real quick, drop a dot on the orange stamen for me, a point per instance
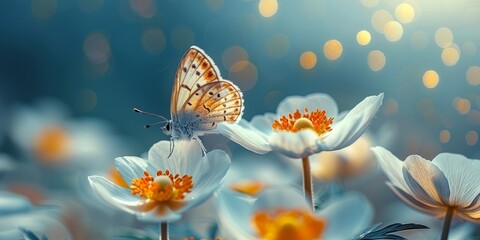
(288, 224)
(164, 187)
(317, 121)
(251, 188)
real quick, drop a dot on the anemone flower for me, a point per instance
(46, 133)
(304, 126)
(443, 187)
(283, 213)
(18, 214)
(162, 188)
(250, 173)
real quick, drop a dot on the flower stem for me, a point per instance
(307, 182)
(446, 223)
(164, 231)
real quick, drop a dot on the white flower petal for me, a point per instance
(413, 202)
(114, 194)
(296, 145)
(264, 122)
(152, 216)
(426, 181)
(235, 215)
(207, 176)
(346, 216)
(132, 167)
(392, 167)
(352, 126)
(312, 102)
(184, 159)
(463, 176)
(274, 198)
(12, 203)
(245, 135)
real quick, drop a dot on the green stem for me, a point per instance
(307, 182)
(164, 231)
(446, 223)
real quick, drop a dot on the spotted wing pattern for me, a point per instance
(195, 70)
(199, 89)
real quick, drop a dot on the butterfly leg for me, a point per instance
(172, 146)
(204, 150)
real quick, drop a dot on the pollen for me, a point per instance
(251, 188)
(297, 121)
(164, 187)
(288, 224)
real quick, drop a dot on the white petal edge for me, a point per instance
(264, 122)
(117, 196)
(353, 125)
(183, 160)
(235, 215)
(392, 167)
(131, 168)
(245, 135)
(463, 175)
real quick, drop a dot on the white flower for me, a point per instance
(279, 209)
(162, 188)
(304, 126)
(17, 212)
(449, 181)
(45, 132)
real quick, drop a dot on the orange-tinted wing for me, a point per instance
(195, 70)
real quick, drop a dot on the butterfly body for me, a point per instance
(201, 99)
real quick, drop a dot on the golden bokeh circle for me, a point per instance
(332, 49)
(363, 37)
(308, 60)
(405, 13)
(430, 79)
(473, 75)
(376, 60)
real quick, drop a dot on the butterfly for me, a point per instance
(201, 99)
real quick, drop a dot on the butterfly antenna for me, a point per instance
(151, 114)
(154, 124)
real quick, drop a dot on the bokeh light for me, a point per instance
(232, 55)
(404, 13)
(153, 41)
(363, 37)
(244, 74)
(393, 31)
(97, 48)
(443, 37)
(370, 3)
(43, 9)
(379, 19)
(376, 60)
(308, 60)
(430, 79)
(473, 75)
(444, 136)
(267, 8)
(332, 49)
(144, 8)
(450, 56)
(390, 107)
(471, 138)
(462, 105)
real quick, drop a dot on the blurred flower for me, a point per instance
(345, 163)
(18, 213)
(6, 164)
(162, 188)
(283, 213)
(250, 173)
(45, 133)
(446, 185)
(304, 126)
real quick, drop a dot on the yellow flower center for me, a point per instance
(164, 187)
(251, 188)
(52, 144)
(294, 122)
(288, 224)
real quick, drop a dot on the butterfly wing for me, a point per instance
(195, 70)
(199, 89)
